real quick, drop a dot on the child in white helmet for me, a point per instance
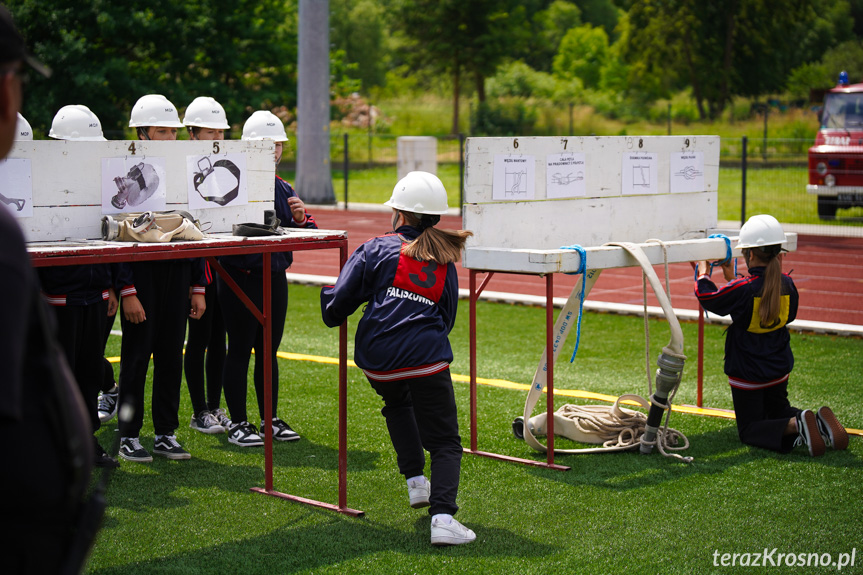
(758, 357)
(155, 302)
(82, 296)
(244, 331)
(408, 282)
(23, 131)
(206, 120)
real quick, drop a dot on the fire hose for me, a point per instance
(615, 428)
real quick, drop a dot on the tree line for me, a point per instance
(613, 54)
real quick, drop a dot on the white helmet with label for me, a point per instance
(206, 112)
(760, 231)
(264, 125)
(23, 131)
(420, 193)
(154, 110)
(78, 123)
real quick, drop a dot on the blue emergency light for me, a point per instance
(843, 78)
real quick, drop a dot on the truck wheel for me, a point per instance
(827, 207)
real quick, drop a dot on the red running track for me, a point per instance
(828, 271)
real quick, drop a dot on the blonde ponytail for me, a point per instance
(771, 289)
(433, 244)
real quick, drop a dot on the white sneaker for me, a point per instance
(205, 422)
(108, 402)
(450, 534)
(281, 431)
(419, 493)
(244, 434)
(222, 418)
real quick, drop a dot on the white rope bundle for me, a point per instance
(615, 428)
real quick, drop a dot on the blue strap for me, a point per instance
(727, 249)
(582, 266)
(720, 262)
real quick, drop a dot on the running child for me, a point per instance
(408, 282)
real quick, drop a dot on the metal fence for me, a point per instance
(756, 175)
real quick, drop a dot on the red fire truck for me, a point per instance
(836, 159)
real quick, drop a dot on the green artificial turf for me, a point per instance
(611, 513)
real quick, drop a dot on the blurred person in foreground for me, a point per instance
(48, 445)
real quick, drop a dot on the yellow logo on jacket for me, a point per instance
(755, 322)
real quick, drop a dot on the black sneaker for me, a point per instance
(131, 450)
(282, 431)
(222, 418)
(167, 446)
(108, 401)
(102, 457)
(809, 435)
(205, 422)
(831, 430)
(244, 434)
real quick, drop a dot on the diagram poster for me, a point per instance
(564, 175)
(687, 172)
(133, 185)
(514, 178)
(216, 181)
(639, 173)
(17, 194)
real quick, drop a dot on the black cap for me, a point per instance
(12, 45)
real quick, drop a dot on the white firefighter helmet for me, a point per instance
(76, 122)
(420, 193)
(154, 110)
(264, 125)
(206, 112)
(760, 231)
(23, 131)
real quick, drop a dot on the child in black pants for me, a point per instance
(758, 357)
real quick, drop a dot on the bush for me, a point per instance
(615, 105)
(797, 130)
(504, 117)
(808, 77)
(739, 109)
(520, 80)
(684, 110)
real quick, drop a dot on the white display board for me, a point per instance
(541, 193)
(69, 186)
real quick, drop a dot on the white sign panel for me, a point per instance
(640, 173)
(16, 190)
(216, 181)
(133, 185)
(564, 174)
(514, 177)
(687, 172)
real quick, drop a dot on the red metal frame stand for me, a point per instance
(60, 254)
(549, 343)
(700, 395)
(341, 507)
